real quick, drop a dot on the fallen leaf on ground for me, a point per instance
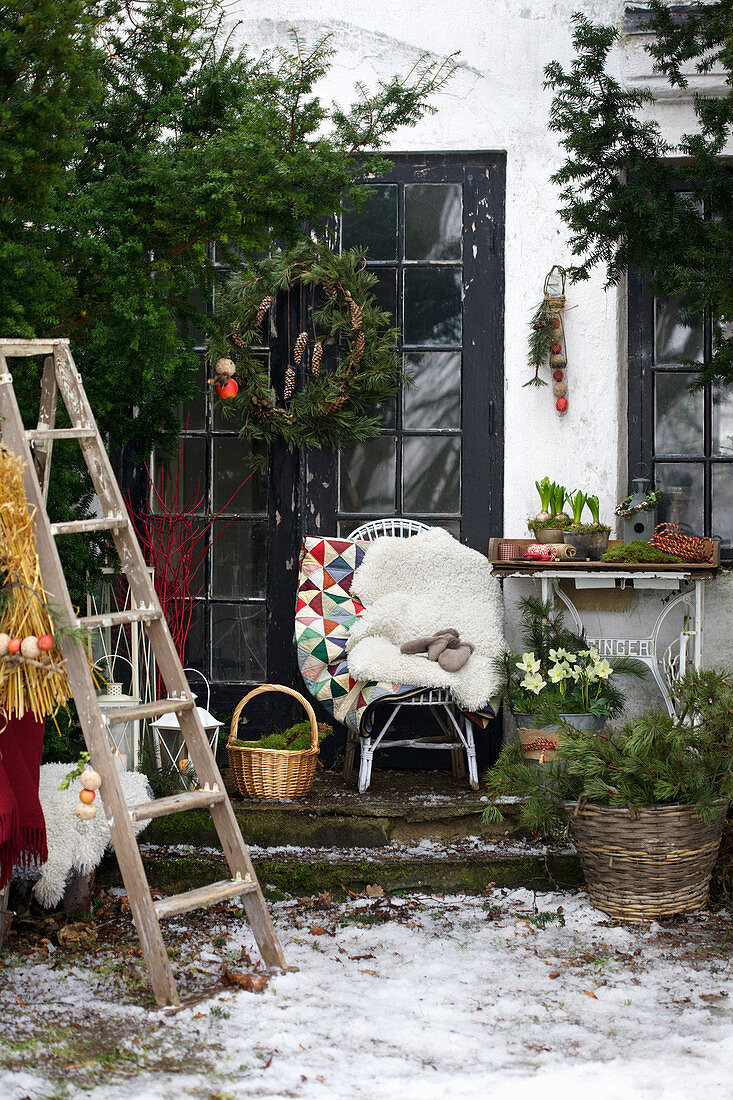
(319, 930)
(554, 973)
(374, 891)
(588, 993)
(253, 983)
(372, 972)
(357, 958)
(76, 934)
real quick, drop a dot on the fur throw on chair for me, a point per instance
(418, 586)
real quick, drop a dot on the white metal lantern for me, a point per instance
(171, 745)
(124, 736)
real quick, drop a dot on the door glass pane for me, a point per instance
(195, 648)
(367, 476)
(225, 417)
(433, 221)
(682, 487)
(676, 336)
(722, 401)
(678, 415)
(385, 291)
(192, 413)
(238, 639)
(432, 306)
(180, 480)
(434, 398)
(374, 227)
(431, 474)
(723, 502)
(239, 486)
(239, 558)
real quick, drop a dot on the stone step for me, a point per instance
(399, 807)
(429, 867)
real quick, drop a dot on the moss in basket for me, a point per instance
(654, 760)
(639, 551)
(560, 520)
(294, 739)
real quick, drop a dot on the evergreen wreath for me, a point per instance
(347, 362)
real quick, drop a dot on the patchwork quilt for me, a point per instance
(324, 613)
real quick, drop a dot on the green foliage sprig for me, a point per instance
(654, 760)
(338, 404)
(620, 182)
(75, 772)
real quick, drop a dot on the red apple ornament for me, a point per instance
(45, 642)
(228, 389)
(561, 404)
(14, 645)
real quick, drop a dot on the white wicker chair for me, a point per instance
(457, 729)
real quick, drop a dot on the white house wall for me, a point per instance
(496, 101)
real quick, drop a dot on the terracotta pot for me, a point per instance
(539, 740)
(589, 544)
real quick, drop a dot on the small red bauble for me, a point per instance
(229, 389)
(556, 322)
(561, 404)
(45, 642)
(555, 349)
(14, 645)
(557, 375)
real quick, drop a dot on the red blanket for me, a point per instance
(22, 827)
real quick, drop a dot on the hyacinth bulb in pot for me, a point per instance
(589, 539)
(550, 522)
(558, 679)
(645, 805)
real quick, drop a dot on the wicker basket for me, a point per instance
(649, 863)
(273, 773)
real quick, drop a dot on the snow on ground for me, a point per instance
(512, 996)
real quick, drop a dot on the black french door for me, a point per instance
(434, 232)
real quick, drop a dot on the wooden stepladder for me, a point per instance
(60, 377)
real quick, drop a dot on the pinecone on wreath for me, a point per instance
(289, 387)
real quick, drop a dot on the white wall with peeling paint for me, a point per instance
(497, 101)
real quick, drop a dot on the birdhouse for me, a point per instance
(641, 524)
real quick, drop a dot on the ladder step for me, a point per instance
(30, 347)
(82, 526)
(120, 618)
(175, 803)
(41, 435)
(205, 895)
(146, 710)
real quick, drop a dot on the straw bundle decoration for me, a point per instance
(273, 773)
(38, 682)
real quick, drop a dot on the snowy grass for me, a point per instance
(512, 996)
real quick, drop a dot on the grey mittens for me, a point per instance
(445, 647)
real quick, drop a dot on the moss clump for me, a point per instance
(588, 528)
(560, 520)
(295, 739)
(639, 551)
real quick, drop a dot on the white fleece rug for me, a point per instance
(416, 586)
(75, 845)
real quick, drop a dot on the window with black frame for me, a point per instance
(682, 435)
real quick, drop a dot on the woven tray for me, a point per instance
(273, 773)
(649, 863)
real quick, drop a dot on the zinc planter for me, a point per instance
(539, 740)
(589, 544)
(548, 534)
(648, 863)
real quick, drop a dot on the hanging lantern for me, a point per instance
(124, 736)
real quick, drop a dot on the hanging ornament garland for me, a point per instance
(547, 338)
(339, 370)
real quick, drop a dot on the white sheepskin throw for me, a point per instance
(75, 845)
(412, 587)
